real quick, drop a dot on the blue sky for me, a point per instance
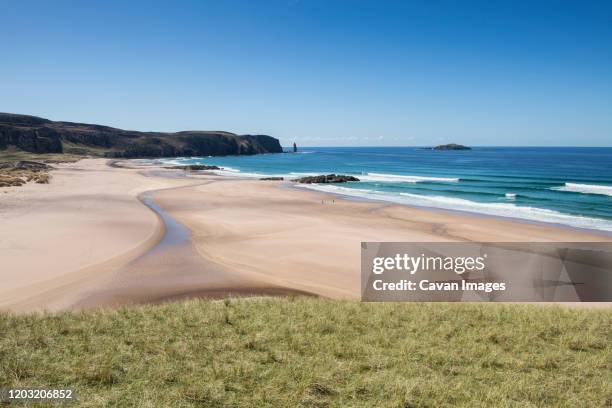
(322, 73)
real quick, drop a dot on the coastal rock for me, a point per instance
(38, 135)
(194, 167)
(329, 178)
(452, 146)
(272, 178)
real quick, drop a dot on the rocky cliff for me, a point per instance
(38, 135)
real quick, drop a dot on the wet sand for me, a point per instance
(172, 269)
(57, 240)
(310, 241)
(87, 240)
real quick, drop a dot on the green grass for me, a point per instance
(305, 352)
(11, 154)
(80, 149)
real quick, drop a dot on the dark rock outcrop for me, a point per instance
(272, 178)
(195, 167)
(329, 178)
(452, 146)
(38, 135)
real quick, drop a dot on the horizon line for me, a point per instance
(430, 146)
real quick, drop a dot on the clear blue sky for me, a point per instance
(322, 73)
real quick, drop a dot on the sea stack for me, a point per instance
(294, 148)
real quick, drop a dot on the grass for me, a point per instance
(10, 177)
(304, 352)
(11, 154)
(16, 178)
(73, 149)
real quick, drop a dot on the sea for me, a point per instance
(570, 186)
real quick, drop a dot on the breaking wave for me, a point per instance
(397, 178)
(509, 210)
(585, 189)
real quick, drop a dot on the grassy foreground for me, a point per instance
(305, 352)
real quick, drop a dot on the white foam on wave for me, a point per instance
(298, 174)
(510, 210)
(165, 162)
(225, 170)
(459, 204)
(330, 188)
(398, 178)
(585, 189)
(233, 170)
(230, 172)
(510, 196)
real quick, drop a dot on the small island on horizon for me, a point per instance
(449, 146)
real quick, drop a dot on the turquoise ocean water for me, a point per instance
(563, 185)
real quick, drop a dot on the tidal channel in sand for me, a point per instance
(173, 269)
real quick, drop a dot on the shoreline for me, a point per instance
(538, 194)
(569, 228)
(302, 187)
(248, 237)
(215, 244)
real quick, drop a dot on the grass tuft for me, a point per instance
(306, 352)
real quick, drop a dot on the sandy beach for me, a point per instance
(87, 240)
